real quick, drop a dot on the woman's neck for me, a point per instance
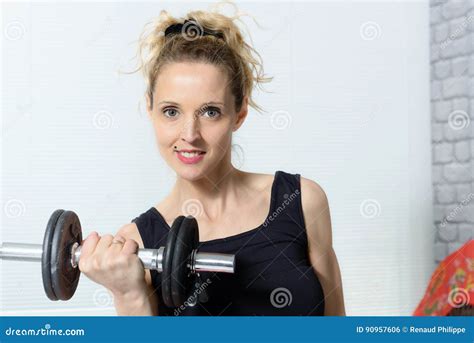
(211, 195)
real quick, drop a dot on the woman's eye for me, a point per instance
(212, 112)
(168, 110)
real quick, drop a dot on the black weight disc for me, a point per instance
(167, 260)
(182, 281)
(64, 277)
(46, 254)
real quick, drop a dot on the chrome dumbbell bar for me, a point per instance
(151, 258)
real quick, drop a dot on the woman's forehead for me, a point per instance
(191, 75)
(192, 82)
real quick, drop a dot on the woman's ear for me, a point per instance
(149, 105)
(242, 114)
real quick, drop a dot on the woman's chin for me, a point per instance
(190, 173)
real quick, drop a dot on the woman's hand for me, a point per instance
(113, 262)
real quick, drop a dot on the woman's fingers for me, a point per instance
(127, 246)
(104, 243)
(87, 248)
(104, 250)
(116, 245)
(130, 247)
(119, 238)
(89, 244)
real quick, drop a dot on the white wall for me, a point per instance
(352, 82)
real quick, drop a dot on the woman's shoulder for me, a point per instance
(312, 188)
(313, 196)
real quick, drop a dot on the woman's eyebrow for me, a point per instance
(206, 103)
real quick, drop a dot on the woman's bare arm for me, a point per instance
(321, 253)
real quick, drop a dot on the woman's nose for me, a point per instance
(190, 129)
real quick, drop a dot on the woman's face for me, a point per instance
(193, 109)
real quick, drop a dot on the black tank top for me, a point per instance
(273, 274)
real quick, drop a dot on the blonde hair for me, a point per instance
(232, 54)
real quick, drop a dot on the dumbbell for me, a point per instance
(179, 260)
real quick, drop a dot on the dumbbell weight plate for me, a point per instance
(182, 281)
(46, 255)
(168, 253)
(64, 277)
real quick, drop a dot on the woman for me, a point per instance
(200, 73)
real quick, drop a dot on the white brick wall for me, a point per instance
(452, 105)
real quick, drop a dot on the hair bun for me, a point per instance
(189, 27)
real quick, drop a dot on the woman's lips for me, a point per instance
(190, 158)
